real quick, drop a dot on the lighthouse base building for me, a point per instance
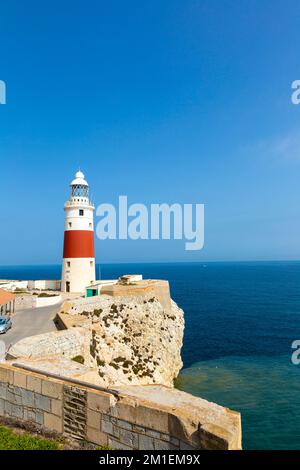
(78, 269)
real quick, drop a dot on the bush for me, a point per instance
(79, 359)
(45, 294)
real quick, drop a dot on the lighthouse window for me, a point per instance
(79, 190)
(81, 212)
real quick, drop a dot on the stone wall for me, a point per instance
(66, 343)
(24, 302)
(143, 418)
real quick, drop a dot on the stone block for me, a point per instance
(106, 426)
(17, 411)
(7, 408)
(116, 445)
(146, 443)
(152, 418)
(34, 384)
(99, 401)
(151, 433)
(129, 438)
(1, 407)
(164, 445)
(42, 403)
(56, 407)
(39, 417)
(3, 390)
(27, 397)
(34, 416)
(6, 375)
(53, 422)
(52, 389)
(139, 429)
(13, 398)
(124, 424)
(116, 431)
(96, 436)
(20, 379)
(126, 411)
(93, 419)
(174, 441)
(184, 446)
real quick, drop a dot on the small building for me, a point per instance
(98, 286)
(7, 302)
(95, 288)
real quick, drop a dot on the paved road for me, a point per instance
(30, 322)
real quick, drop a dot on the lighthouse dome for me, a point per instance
(79, 179)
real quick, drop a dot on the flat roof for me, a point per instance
(6, 296)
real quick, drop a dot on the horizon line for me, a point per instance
(164, 262)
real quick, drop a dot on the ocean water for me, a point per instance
(241, 319)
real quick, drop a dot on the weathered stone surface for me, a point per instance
(136, 417)
(67, 343)
(96, 436)
(131, 336)
(34, 383)
(194, 421)
(134, 339)
(53, 422)
(100, 401)
(20, 379)
(52, 389)
(60, 366)
(42, 402)
(56, 407)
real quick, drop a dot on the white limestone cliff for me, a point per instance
(135, 340)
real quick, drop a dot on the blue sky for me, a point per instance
(163, 101)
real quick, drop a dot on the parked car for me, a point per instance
(5, 324)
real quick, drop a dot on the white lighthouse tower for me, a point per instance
(78, 269)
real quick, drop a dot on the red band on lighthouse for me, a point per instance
(79, 244)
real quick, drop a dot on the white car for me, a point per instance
(5, 324)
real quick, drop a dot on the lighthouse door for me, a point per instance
(68, 286)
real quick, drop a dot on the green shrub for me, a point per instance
(79, 359)
(45, 294)
(9, 440)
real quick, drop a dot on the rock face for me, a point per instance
(134, 339)
(131, 335)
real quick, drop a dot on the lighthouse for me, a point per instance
(78, 269)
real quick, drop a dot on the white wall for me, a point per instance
(44, 284)
(12, 285)
(45, 301)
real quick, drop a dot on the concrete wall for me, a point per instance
(45, 301)
(115, 418)
(44, 284)
(39, 284)
(12, 285)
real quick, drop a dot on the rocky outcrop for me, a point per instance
(136, 333)
(134, 340)
(132, 335)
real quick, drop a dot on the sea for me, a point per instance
(240, 321)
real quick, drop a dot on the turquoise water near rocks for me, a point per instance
(241, 319)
